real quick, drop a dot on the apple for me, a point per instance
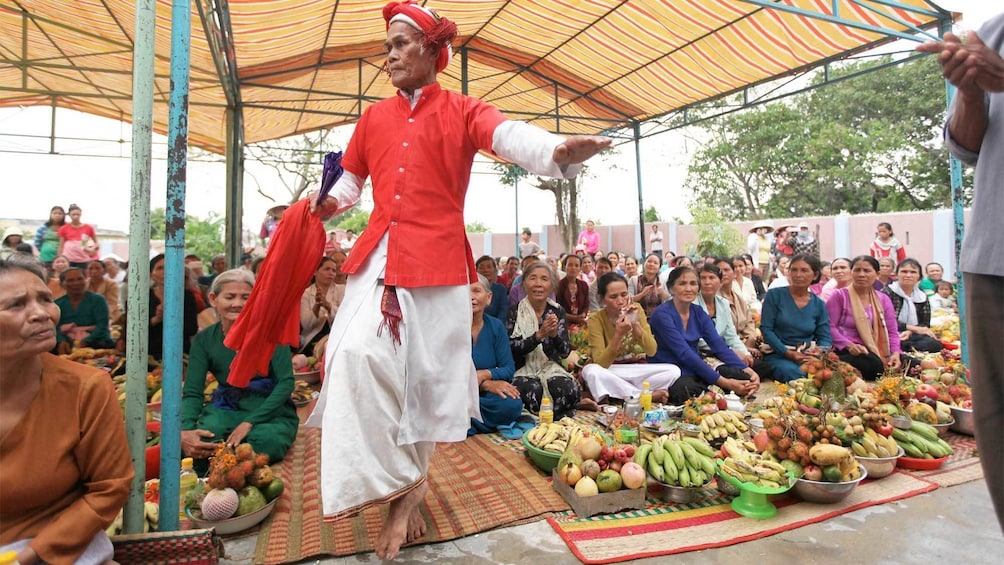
(967, 404)
(928, 375)
(606, 453)
(885, 428)
(620, 455)
(926, 391)
(615, 465)
(722, 403)
(812, 473)
(629, 450)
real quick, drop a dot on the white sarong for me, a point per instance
(382, 408)
(624, 381)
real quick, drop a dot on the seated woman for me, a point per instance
(500, 401)
(603, 266)
(98, 283)
(65, 466)
(498, 308)
(190, 312)
(59, 264)
(742, 314)
(261, 414)
(645, 288)
(83, 315)
(720, 311)
(863, 322)
(887, 266)
(754, 274)
(678, 326)
(913, 311)
(742, 285)
(824, 277)
(794, 323)
(619, 341)
(840, 277)
(538, 337)
(319, 303)
(573, 293)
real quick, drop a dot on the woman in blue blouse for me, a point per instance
(678, 326)
(794, 321)
(499, 399)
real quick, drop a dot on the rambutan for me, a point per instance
(244, 452)
(261, 460)
(236, 478)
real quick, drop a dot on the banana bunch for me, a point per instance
(722, 424)
(921, 441)
(754, 469)
(874, 445)
(687, 462)
(555, 436)
(740, 449)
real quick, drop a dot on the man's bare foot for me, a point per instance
(660, 396)
(397, 526)
(416, 524)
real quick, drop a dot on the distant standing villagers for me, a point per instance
(405, 378)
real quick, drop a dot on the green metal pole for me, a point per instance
(958, 213)
(138, 307)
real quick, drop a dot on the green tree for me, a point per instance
(867, 144)
(477, 227)
(714, 237)
(652, 215)
(356, 222)
(566, 198)
(202, 237)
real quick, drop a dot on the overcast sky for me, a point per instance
(35, 182)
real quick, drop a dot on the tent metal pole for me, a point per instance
(174, 264)
(138, 307)
(636, 128)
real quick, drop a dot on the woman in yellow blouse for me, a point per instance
(619, 341)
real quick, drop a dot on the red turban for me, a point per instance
(271, 316)
(439, 32)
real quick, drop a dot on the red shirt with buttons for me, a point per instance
(419, 161)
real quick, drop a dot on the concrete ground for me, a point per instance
(950, 525)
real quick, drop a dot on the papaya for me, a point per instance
(922, 413)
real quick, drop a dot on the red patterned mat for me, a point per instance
(475, 485)
(962, 466)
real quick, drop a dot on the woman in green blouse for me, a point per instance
(261, 414)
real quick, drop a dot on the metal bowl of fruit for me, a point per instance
(964, 423)
(821, 492)
(675, 493)
(943, 428)
(231, 525)
(879, 467)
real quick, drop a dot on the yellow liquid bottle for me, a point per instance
(646, 397)
(8, 558)
(546, 414)
(186, 482)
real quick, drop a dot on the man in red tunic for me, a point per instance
(398, 362)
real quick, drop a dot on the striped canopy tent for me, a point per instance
(284, 67)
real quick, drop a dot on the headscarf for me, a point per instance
(908, 313)
(438, 32)
(874, 334)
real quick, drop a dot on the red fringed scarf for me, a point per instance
(272, 315)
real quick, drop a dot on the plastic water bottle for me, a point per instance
(646, 397)
(186, 482)
(546, 414)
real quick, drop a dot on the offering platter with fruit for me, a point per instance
(240, 483)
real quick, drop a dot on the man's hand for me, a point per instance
(972, 67)
(192, 443)
(326, 209)
(578, 148)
